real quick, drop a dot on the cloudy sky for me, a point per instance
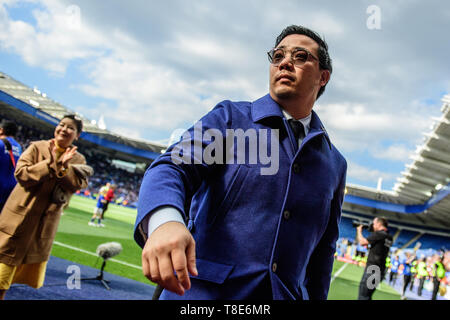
(151, 67)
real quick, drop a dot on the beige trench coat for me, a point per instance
(30, 217)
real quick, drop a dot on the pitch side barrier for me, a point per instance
(23, 106)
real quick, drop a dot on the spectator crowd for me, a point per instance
(127, 183)
(427, 269)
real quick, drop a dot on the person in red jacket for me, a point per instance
(108, 197)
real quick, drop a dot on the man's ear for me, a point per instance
(324, 77)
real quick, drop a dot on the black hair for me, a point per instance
(383, 221)
(324, 57)
(9, 128)
(76, 119)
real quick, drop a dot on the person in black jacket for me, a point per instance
(379, 243)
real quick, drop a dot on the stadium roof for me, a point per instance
(422, 194)
(51, 111)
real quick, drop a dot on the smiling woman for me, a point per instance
(48, 173)
(68, 130)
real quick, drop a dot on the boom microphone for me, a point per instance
(109, 250)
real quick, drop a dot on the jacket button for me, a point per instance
(296, 168)
(274, 267)
(286, 214)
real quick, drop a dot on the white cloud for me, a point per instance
(160, 66)
(324, 22)
(144, 93)
(125, 131)
(53, 42)
(356, 126)
(8, 2)
(140, 87)
(394, 152)
(362, 173)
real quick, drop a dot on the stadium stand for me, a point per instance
(403, 240)
(422, 194)
(432, 242)
(346, 230)
(419, 202)
(406, 236)
(418, 209)
(128, 183)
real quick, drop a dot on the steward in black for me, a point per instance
(378, 243)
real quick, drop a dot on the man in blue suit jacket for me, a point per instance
(218, 218)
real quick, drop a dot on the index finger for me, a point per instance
(73, 150)
(179, 263)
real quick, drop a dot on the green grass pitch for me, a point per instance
(74, 231)
(346, 285)
(76, 241)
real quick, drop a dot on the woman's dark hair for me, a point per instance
(76, 119)
(324, 57)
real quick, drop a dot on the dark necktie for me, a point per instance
(297, 128)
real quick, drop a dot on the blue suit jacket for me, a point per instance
(257, 236)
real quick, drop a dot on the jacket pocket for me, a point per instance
(212, 271)
(232, 192)
(12, 220)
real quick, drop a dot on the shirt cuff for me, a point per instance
(159, 217)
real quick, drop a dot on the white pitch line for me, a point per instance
(94, 254)
(337, 273)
